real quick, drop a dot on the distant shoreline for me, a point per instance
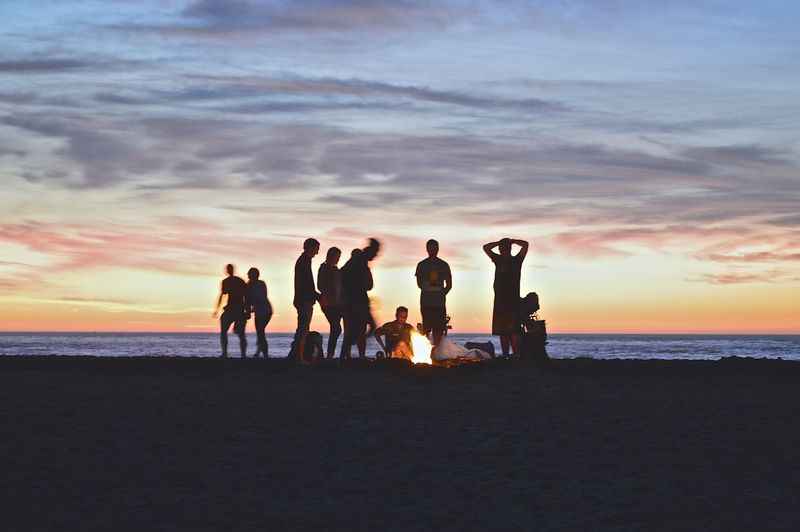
(285, 333)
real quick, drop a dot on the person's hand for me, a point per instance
(214, 314)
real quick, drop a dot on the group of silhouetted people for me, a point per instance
(342, 294)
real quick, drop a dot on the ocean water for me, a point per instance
(601, 346)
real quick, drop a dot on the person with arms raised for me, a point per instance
(506, 319)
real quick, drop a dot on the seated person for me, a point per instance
(398, 335)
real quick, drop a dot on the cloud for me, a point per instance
(749, 154)
(292, 94)
(756, 256)
(45, 65)
(765, 277)
(213, 18)
(180, 245)
(104, 157)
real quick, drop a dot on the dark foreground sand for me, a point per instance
(166, 444)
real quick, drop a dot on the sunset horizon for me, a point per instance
(655, 178)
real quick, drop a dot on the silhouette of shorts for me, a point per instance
(434, 319)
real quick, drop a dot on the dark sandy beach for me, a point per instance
(192, 444)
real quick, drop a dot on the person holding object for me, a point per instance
(235, 311)
(397, 335)
(258, 303)
(435, 282)
(506, 319)
(305, 295)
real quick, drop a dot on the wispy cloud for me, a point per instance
(211, 18)
(48, 65)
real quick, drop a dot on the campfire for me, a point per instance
(422, 349)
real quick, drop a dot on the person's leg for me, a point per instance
(224, 324)
(362, 321)
(515, 345)
(334, 317)
(437, 336)
(504, 342)
(261, 324)
(438, 323)
(362, 345)
(238, 328)
(347, 336)
(304, 313)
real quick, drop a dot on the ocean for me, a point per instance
(600, 346)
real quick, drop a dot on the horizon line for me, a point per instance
(579, 332)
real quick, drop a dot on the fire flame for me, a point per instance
(422, 349)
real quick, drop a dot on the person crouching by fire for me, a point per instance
(397, 335)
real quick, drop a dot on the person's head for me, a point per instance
(355, 253)
(433, 247)
(253, 274)
(401, 314)
(229, 269)
(333, 256)
(505, 246)
(311, 247)
(372, 249)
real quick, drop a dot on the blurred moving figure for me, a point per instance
(356, 282)
(235, 311)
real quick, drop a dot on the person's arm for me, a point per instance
(419, 278)
(219, 303)
(447, 282)
(370, 282)
(524, 248)
(324, 282)
(487, 248)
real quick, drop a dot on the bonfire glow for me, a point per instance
(422, 349)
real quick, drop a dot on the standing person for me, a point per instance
(435, 281)
(305, 295)
(258, 303)
(361, 343)
(329, 281)
(356, 282)
(235, 311)
(507, 270)
(397, 335)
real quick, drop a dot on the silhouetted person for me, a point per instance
(397, 335)
(235, 311)
(258, 303)
(356, 282)
(435, 281)
(506, 319)
(305, 295)
(329, 281)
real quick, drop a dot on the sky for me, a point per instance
(648, 150)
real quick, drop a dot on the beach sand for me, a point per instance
(193, 444)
